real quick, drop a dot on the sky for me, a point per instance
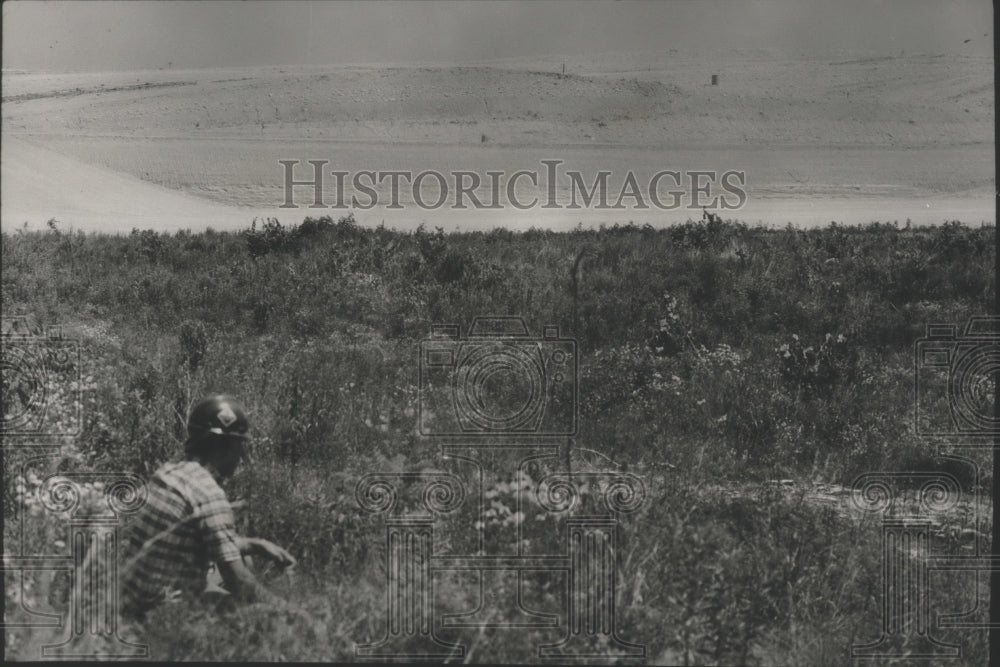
(98, 36)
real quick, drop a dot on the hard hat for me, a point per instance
(220, 415)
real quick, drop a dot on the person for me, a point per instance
(187, 523)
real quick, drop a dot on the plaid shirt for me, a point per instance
(185, 525)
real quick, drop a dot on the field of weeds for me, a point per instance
(720, 373)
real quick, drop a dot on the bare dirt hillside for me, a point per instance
(851, 140)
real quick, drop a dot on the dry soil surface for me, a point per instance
(851, 140)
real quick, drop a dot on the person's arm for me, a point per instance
(242, 584)
(261, 547)
(225, 547)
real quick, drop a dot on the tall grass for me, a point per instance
(712, 357)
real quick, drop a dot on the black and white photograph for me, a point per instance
(505, 332)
